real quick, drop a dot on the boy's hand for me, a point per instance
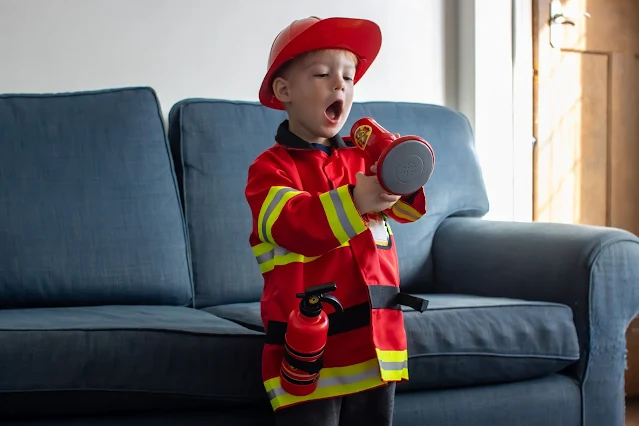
(369, 196)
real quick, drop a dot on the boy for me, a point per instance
(317, 218)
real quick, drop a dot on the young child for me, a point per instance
(317, 218)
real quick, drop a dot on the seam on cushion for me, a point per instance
(204, 308)
(501, 306)
(497, 355)
(187, 248)
(187, 219)
(456, 308)
(73, 94)
(120, 390)
(251, 326)
(363, 103)
(181, 189)
(250, 333)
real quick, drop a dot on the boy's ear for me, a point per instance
(281, 90)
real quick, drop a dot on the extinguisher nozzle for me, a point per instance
(312, 298)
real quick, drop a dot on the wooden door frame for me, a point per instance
(523, 107)
(534, 34)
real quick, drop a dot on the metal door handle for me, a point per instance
(560, 18)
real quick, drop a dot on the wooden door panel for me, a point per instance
(593, 162)
(572, 136)
(586, 106)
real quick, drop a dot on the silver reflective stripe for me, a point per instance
(341, 214)
(388, 365)
(281, 251)
(333, 381)
(400, 209)
(263, 258)
(270, 255)
(274, 202)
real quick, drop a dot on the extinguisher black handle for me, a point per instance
(312, 298)
(332, 300)
(318, 290)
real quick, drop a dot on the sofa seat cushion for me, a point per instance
(468, 340)
(106, 358)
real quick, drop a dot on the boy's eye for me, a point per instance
(347, 78)
(321, 75)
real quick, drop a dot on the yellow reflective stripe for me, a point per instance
(342, 215)
(351, 211)
(333, 381)
(406, 211)
(392, 356)
(393, 365)
(264, 254)
(388, 225)
(271, 209)
(269, 256)
(394, 375)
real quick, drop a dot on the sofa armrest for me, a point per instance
(594, 270)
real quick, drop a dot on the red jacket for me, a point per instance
(307, 231)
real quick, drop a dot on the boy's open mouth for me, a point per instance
(334, 110)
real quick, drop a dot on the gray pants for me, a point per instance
(371, 408)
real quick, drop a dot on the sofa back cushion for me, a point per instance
(89, 207)
(215, 141)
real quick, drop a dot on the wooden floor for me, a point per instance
(632, 412)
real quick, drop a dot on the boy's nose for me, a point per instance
(340, 84)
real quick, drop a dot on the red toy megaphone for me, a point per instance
(403, 164)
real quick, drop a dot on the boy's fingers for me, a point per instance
(389, 197)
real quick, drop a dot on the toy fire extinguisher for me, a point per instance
(306, 335)
(404, 164)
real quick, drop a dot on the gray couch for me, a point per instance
(129, 293)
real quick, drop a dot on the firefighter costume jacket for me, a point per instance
(307, 231)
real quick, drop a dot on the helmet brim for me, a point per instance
(359, 36)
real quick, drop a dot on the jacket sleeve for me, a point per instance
(409, 208)
(295, 220)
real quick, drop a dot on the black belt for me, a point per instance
(381, 297)
(389, 297)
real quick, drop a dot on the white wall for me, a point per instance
(495, 92)
(486, 94)
(210, 48)
(450, 52)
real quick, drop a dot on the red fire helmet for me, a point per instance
(359, 36)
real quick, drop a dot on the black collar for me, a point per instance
(290, 140)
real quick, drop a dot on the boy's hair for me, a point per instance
(283, 70)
